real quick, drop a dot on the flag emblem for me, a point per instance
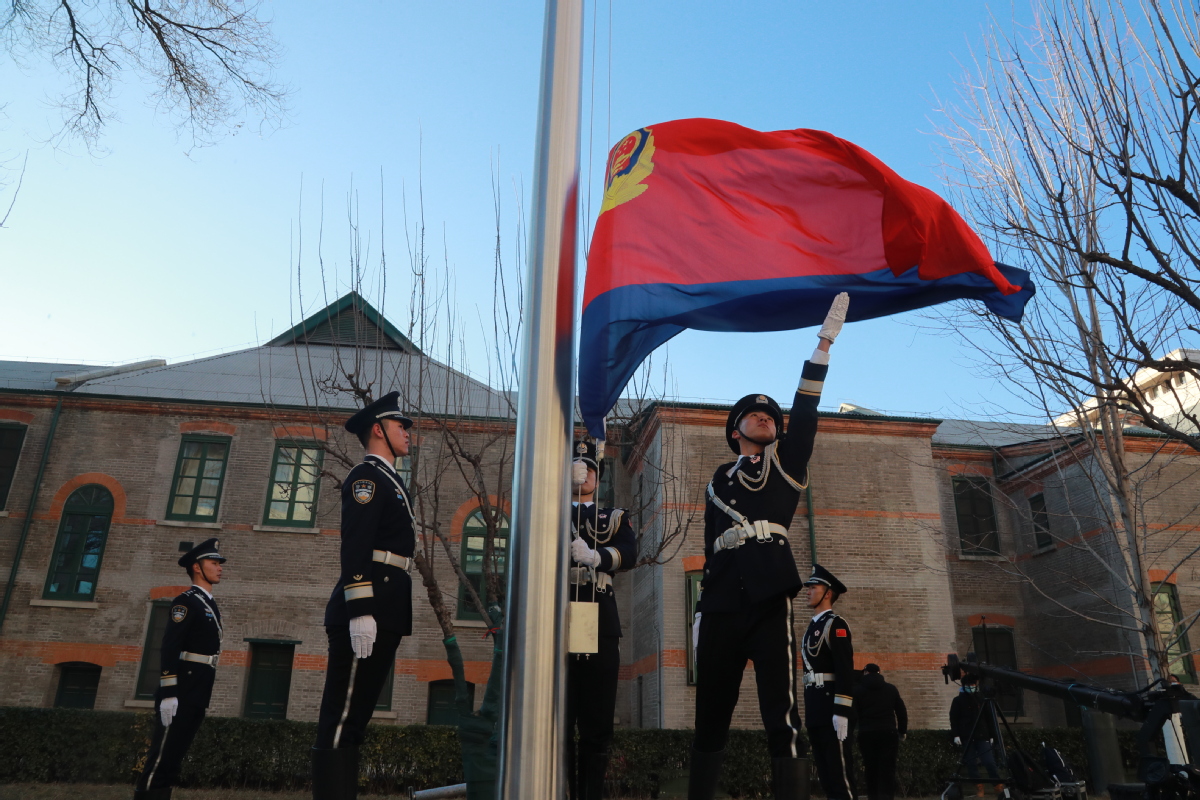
(629, 164)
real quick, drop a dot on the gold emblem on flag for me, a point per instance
(629, 163)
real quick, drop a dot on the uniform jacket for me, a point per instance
(376, 515)
(193, 626)
(828, 648)
(765, 487)
(608, 532)
(878, 705)
(964, 710)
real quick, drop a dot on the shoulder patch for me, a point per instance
(363, 491)
(178, 613)
(842, 633)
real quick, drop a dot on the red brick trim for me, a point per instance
(159, 592)
(693, 563)
(975, 470)
(975, 620)
(107, 481)
(1161, 576)
(208, 426)
(1096, 667)
(311, 431)
(16, 416)
(900, 661)
(104, 655)
(459, 519)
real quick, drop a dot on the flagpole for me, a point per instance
(532, 735)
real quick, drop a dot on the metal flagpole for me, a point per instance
(531, 744)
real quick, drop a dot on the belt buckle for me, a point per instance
(216, 657)
(729, 539)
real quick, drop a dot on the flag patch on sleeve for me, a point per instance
(842, 633)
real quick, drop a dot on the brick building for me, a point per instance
(925, 520)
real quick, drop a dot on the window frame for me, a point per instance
(1180, 642)
(90, 511)
(77, 667)
(6, 489)
(149, 651)
(606, 490)
(692, 591)
(982, 485)
(271, 482)
(1043, 539)
(204, 439)
(465, 611)
(445, 683)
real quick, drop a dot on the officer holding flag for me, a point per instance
(750, 577)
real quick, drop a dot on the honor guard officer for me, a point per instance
(750, 578)
(370, 609)
(602, 544)
(828, 654)
(190, 648)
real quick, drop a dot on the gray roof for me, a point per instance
(34, 376)
(976, 433)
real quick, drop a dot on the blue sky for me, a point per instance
(154, 248)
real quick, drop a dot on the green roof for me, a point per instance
(349, 321)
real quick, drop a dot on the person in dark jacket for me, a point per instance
(975, 739)
(882, 723)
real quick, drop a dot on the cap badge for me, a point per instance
(581, 449)
(762, 398)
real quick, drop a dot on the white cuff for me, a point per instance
(820, 357)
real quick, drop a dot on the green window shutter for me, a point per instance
(691, 597)
(976, 515)
(995, 645)
(440, 710)
(294, 484)
(77, 685)
(270, 680)
(11, 439)
(474, 535)
(199, 478)
(1167, 616)
(148, 673)
(1041, 522)
(79, 548)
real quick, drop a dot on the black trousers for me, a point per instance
(879, 750)
(591, 702)
(168, 746)
(352, 687)
(765, 636)
(835, 761)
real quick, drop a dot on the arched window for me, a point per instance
(80, 544)
(474, 536)
(77, 684)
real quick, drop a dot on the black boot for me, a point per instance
(591, 779)
(703, 773)
(789, 778)
(349, 772)
(327, 781)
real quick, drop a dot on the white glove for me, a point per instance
(841, 726)
(362, 635)
(696, 636)
(957, 741)
(582, 554)
(167, 709)
(835, 318)
(578, 473)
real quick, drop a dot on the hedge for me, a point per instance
(64, 745)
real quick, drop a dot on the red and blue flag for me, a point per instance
(709, 225)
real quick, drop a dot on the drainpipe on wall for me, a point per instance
(812, 525)
(37, 485)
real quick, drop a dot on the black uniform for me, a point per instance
(188, 667)
(828, 654)
(376, 520)
(592, 679)
(882, 721)
(747, 590)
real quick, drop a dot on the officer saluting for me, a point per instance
(750, 578)
(370, 609)
(190, 648)
(828, 653)
(602, 544)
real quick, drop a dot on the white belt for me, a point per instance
(818, 678)
(759, 529)
(392, 559)
(199, 659)
(602, 580)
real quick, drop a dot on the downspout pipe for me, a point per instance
(33, 497)
(812, 521)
